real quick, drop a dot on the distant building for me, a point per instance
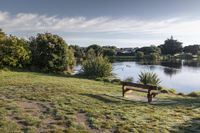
(126, 51)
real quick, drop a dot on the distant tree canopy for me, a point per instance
(193, 49)
(139, 55)
(109, 50)
(149, 50)
(14, 52)
(97, 49)
(79, 52)
(171, 47)
(51, 53)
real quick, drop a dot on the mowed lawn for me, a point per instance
(35, 102)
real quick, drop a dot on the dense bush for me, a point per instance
(149, 78)
(149, 49)
(194, 94)
(14, 52)
(139, 55)
(97, 67)
(51, 53)
(154, 56)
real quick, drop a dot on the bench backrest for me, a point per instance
(151, 87)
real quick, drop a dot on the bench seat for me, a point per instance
(151, 90)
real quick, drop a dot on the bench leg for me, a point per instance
(149, 97)
(123, 91)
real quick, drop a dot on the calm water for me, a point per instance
(184, 76)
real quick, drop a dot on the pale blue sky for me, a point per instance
(124, 23)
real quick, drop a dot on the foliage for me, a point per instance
(139, 55)
(129, 79)
(51, 53)
(194, 94)
(149, 50)
(149, 78)
(98, 50)
(14, 52)
(90, 54)
(193, 49)
(79, 52)
(171, 47)
(109, 50)
(2, 34)
(97, 67)
(154, 56)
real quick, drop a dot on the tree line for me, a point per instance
(44, 52)
(170, 47)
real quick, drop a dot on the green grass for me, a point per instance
(35, 102)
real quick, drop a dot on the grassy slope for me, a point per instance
(34, 102)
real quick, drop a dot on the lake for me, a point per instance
(182, 75)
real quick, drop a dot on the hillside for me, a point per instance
(35, 102)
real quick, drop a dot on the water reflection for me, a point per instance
(171, 71)
(183, 75)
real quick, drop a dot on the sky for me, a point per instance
(123, 23)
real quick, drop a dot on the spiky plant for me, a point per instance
(149, 78)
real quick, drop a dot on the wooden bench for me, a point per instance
(151, 90)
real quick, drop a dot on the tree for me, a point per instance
(97, 67)
(139, 55)
(14, 52)
(79, 52)
(149, 50)
(97, 49)
(51, 53)
(90, 53)
(193, 49)
(171, 47)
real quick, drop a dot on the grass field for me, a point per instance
(35, 102)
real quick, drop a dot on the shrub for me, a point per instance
(51, 53)
(97, 67)
(116, 81)
(149, 78)
(153, 56)
(194, 94)
(139, 55)
(14, 52)
(129, 79)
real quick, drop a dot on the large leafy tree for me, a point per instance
(14, 52)
(51, 53)
(171, 47)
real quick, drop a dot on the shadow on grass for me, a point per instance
(193, 102)
(191, 126)
(111, 99)
(184, 101)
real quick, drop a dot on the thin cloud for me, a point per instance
(35, 22)
(28, 23)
